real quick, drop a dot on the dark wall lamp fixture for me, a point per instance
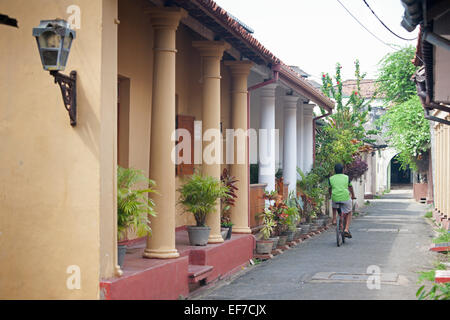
(54, 39)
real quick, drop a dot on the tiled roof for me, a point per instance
(367, 88)
(230, 30)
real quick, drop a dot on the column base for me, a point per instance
(215, 239)
(160, 254)
(243, 230)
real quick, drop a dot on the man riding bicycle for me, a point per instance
(340, 191)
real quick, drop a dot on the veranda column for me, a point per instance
(436, 197)
(290, 142)
(368, 187)
(308, 137)
(442, 167)
(161, 244)
(266, 138)
(211, 53)
(300, 134)
(447, 171)
(239, 168)
(439, 166)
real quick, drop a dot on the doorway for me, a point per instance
(399, 176)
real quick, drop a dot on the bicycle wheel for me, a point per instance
(344, 222)
(338, 231)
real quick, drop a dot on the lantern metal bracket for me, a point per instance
(68, 85)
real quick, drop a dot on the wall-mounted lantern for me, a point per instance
(54, 39)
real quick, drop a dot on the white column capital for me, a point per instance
(290, 99)
(308, 109)
(269, 90)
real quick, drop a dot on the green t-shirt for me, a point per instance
(339, 187)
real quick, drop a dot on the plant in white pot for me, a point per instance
(133, 206)
(199, 196)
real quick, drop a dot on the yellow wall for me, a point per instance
(135, 61)
(136, 64)
(57, 180)
(442, 166)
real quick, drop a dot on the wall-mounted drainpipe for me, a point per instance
(249, 89)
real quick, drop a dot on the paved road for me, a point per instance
(391, 235)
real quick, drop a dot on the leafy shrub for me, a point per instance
(133, 204)
(199, 196)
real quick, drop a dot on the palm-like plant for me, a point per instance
(133, 204)
(199, 196)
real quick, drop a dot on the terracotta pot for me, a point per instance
(264, 246)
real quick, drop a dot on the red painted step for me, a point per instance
(197, 273)
(442, 276)
(441, 247)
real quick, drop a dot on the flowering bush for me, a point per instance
(356, 168)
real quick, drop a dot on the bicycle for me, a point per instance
(340, 235)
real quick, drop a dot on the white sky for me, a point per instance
(316, 34)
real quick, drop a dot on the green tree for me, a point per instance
(338, 138)
(343, 132)
(394, 75)
(408, 131)
(406, 128)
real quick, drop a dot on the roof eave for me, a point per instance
(302, 87)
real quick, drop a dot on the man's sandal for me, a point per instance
(347, 234)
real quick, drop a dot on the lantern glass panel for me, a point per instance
(63, 59)
(67, 41)
(49, 39)
(50, 57)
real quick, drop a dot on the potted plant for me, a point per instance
(291, 215)
(265, 245)
(228, 201)
(227, 226)
(199, 196)
(133, 206)
(277, 207)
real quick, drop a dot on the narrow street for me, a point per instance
(391, 234)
